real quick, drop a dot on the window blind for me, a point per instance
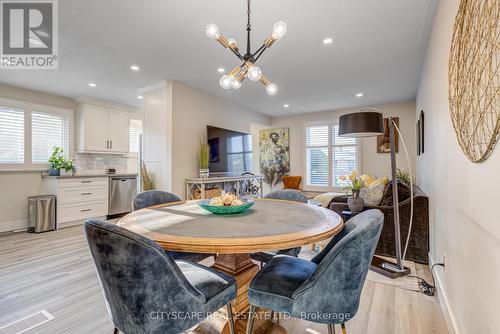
(345, 157)
(328, 156)
(11, 136)
(48, 130)
(135, 132)
(317, 155)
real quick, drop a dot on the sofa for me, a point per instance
(418, 248)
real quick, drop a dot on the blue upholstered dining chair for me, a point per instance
(287, 195)
(326, 289)
(146, 290)
(157, 197)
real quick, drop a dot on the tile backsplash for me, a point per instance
(98, 163)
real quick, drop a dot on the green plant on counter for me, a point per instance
(204, 155)
(404, 176)
(148, 182)
(57, 161)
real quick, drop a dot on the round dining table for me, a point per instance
(268, 225)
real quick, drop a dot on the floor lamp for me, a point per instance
(370, 124)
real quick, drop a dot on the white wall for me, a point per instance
(372, 163)
(463, 196)
(193, 110)
(157, 129)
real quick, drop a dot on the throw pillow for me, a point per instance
(403, 194)
(373, 194)
(326, 198)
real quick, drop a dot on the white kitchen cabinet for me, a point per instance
(78, 199)
(119, 139)
(102, 130)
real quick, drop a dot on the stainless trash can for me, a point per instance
(41, 213)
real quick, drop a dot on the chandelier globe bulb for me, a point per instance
(212, 31)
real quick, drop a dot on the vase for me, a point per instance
(355, 203)
(204, 173)
(54, 172)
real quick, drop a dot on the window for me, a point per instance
(328, 156)
(47, 131)
(11, 136)
(135, 132)
(239, 154)
(29, 132)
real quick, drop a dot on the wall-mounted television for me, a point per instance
(230, 151)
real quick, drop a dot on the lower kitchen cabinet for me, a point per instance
(78, 198)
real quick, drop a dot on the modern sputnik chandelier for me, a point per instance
(248, 69)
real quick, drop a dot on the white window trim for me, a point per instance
(28, 108)
(330, 123)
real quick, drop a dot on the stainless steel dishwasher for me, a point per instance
(121, 193)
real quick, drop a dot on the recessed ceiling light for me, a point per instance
(286, 105)
(140, 97)
(91, 84)
(359, 95)
(221, 70)
(328, 40)
(135, 68)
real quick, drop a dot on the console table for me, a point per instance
(239, 184)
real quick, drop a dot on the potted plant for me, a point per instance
(355, 183)
(147, 179)
(203, 158)
(58, 162)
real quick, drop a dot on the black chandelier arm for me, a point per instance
(260, 52)
(237, 53)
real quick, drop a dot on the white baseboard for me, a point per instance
(13, 225)
(449, 317)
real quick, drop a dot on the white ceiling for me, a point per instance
(378, 49)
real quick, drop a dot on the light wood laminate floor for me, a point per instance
(54, 272)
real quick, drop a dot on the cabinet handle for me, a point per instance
(85, 210)
(84, 194)
(86, 181)
(111, 144)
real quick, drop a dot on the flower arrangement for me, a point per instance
(355, 183)
(58, 161)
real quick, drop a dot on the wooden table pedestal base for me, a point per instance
(241, 267)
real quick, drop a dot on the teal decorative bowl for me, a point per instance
(226, 210)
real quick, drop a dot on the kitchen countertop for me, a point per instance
(46, 176)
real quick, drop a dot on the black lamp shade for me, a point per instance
(361, 124)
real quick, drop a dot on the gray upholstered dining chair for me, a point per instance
(157, 197)
(287, 195)
(146, 290)
(326, 289)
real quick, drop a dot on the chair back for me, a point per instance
(287, 195)
(335, 287)
(153, 197)
(138, 279)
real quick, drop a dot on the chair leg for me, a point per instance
(251, 314)
(116, 331)
(272, 315)
(231, 318)
(344, 330)
(331, 329)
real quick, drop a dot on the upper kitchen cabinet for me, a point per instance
(102, 130)
(118, 137)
